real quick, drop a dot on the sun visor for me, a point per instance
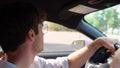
(82, 9)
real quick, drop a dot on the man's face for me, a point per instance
(38, 44)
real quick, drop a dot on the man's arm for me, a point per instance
(78, 58)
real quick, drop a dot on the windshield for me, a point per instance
(107, 21)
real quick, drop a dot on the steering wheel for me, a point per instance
(101, 59)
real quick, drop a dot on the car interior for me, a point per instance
(70, 13)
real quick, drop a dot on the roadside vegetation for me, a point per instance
(107, 20)
(57, 27)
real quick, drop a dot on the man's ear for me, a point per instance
(31, 34)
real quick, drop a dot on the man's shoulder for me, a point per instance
(6, 64)
(2, 63)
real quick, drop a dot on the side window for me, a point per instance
(107, 21)
(60, 38)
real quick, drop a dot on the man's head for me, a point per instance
(15, 22)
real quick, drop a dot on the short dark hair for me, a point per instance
(16, 20)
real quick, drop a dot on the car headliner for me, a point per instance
(57, 10)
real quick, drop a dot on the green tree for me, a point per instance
(104, 19)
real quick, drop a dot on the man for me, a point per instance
(21, 38)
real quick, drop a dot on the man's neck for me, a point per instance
(21, 59)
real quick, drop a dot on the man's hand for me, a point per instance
(107, 42)
(116, 60)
